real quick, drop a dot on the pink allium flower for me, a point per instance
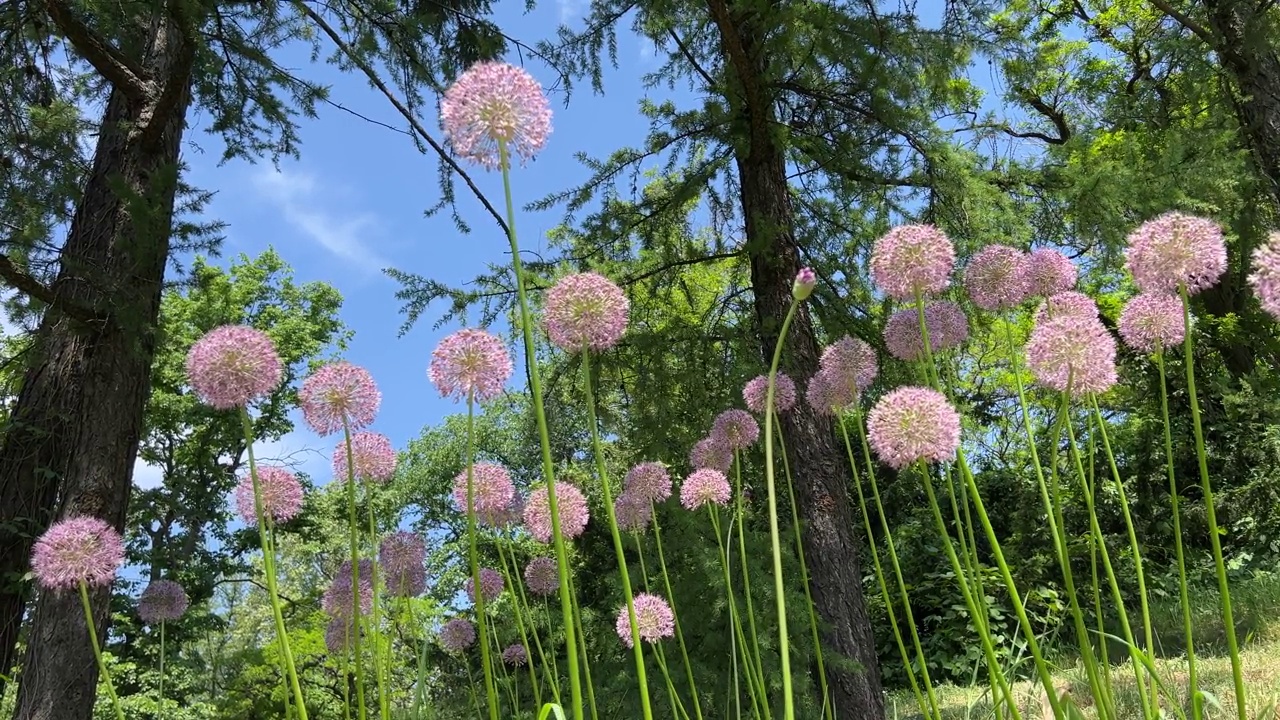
(705, 486)
(336, 391)
(946, 322)
(806, 280)
(572, 505)
(654, 619)
(911, 424)
(339, 601)
(911, 259)
(1265, 277)
(510, 517)
(457, 635)
(515, 655)
(711, 452)
(633, 512)
(162, 601)
(784, 393)
(851, 365)
(470, 363)
(1152, 322)
(994, 278)
(1047, 272)
(492, 493)
(735, 429)
(491, 585)
(494, 102)
(541, 576)
(586, 310)
(375, 459)
(1072, 350)
(649, 480)
(1174, 250)
(281, 495)
(403, 556)
(233, 365)
(338, 636)
(829, 396)
(1067, 303)
(75, 550)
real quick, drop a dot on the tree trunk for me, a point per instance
(830, 544)
(74, 434)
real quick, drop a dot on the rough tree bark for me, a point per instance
(819, 466)
(73, 438)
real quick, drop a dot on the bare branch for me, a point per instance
(105, 57)
(1186, 22)
(24, 282)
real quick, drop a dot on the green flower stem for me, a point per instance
(597, 449)
(471, 685)
(671, 599)
(1215, 533)
(97, 650)
(740, 522)
(677, 707)
(582, 647)
(758, 702)
(375, 624)
(474, 555)
(160, 689)
(354, 537)
(521, 610)
(1093, 578)
(1193, 672)
(544, 437)
(269, 562)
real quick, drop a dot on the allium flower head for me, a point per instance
(994, 278)
(339, 601)
(404, 555)
(735, 429)
(1152, 322)
(491, 493)
(1072, 350)
(705, 486)
(1067, 303)
(233, 365)
(806, 280)
(457, 635)
(911, 259)
(756, 392)
(162, 601)
(281, 495)
(491, 585)
(632, 512)
(654, 619)
(339, 390)
(911, 424)
(850, 364)
(470, 363)
(541, 576)
(75, 550)
(586, 310)
(495, 102)
(649, 480)
(946, 322)
(572, 505)
(1265, 277)
(829, 396)
(515, 655)
(1175, 250)
(374, 458)
(338, 635)
(711, 452)
(1047, 272)
(509, 518)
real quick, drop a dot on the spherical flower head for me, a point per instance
(470, 364)
(756, 392)
(541, 576)
(1067, 303)
(281, 495)
(1265, 278)
(633, 512)
(76, 550)
(654, 619)
(913, 424)
(374, 458)
(491, 585)
(1047, 272)
(162, 601)
(512, 516)
(736, 429)
(1176, 250)
(1152, 322)
(515, 655)
(829, 395)
(339, 600)
(994, 278)
(403, 556)
(711, 452)
(492, 103)
(336, 391)
(457, 635)
(946, 322)
(705, 486)
(233, 365)
(492, 493)
(850, 364)
(586, 310)
(572, 505)
(912, 259)
(338, 636)
(649, 480)
(806, 280)
(1072, 352)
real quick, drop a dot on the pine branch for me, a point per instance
(24, 282)
(1186, 22)
(106, 58)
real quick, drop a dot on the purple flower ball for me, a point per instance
(586, 311)
(572, 505)
(339, 601)
(711, 452)
(756, 392)
(1265, 278)
(491, 585)
(735, 429)
(338, 636)
(281, 495)
(491, 492)
(336, 391)
(850, 364)
(654, 619)
(1072, 352)
(995, 280)
(493, 103)
(911, 259)
(541, 576)
(946, 322)
(515, 655)
(1152, 322)
(457, 635)
(1047, 272)
(705, 486)
(233, 365)
(913, 424)
(632, 512)
(77, 550)
(1067, 303)
(404, 556)
(162, 601)
(470, 364)
(1176, 250)
(828, 395)
(649, 480)
(375, 459)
